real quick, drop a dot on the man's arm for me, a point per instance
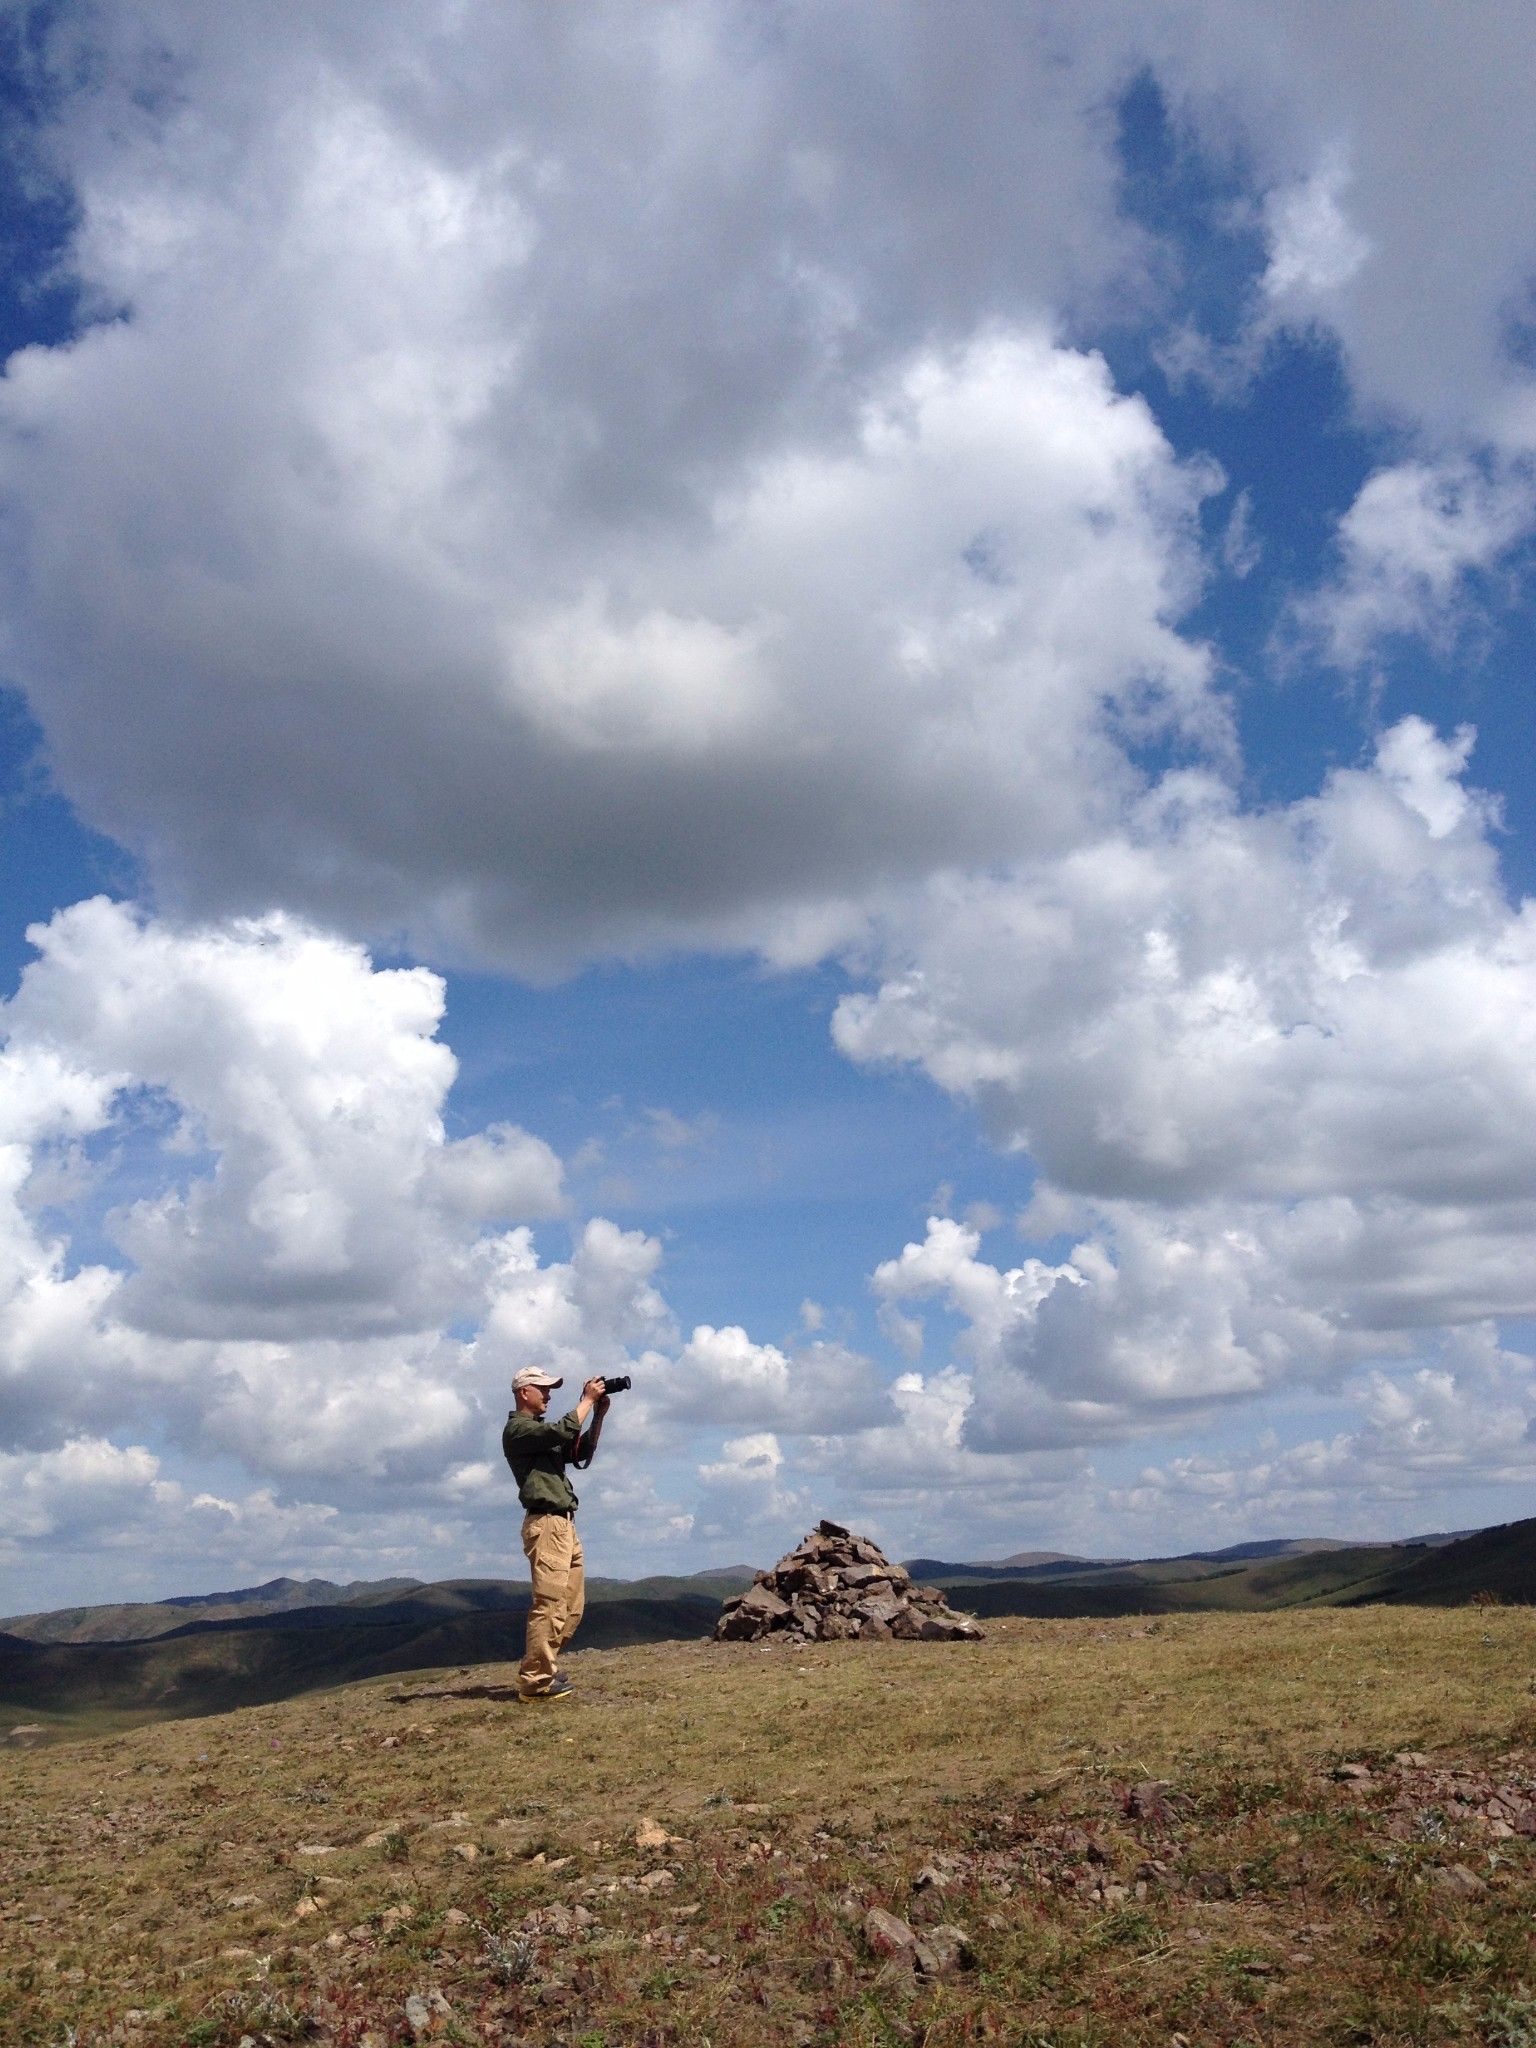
(531, 1434)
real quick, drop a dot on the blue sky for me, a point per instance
(862, 748)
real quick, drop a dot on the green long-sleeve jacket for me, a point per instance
(538, 1452)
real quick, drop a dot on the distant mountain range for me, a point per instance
(135, 1621)
(1432, 1571)
(1056, 1565)
(103, 1666)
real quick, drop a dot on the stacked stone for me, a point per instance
(835, 1586)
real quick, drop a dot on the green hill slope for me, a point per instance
(207, 1665)
(138, 1621)
(1500, 1562)
(210, 1667)
(130, 1621)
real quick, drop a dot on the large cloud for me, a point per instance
(231, 1220)
(445, 565)
(558, 483)
(1275, 1070)
(1331, 995)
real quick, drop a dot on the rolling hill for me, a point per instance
(1499, 1563)
(209, 1667)
(262, 1652)
(130, 1621)
(138, 1621)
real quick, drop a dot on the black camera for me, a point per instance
(618, 1384)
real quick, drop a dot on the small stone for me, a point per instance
(1352, 1774)
(944, 1949)
(315, 1849)
(454, 1918)
(651, 1835)
(242, 1901)
(1148, 1800)
(886, 1935)
(1458, 1881)
(929, 1877)
(306, 1909)
(1412, 1759)
(425, 2014)
(466, 1851)
(658, 1881)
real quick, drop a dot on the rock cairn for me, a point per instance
(835, 1586)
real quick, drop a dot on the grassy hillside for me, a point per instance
(138, 1621)
(212, 1667)
(1053, 1565)
(1308, 1827)
(134, 1620)
(1498, 1563)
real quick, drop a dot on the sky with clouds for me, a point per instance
(831, 708)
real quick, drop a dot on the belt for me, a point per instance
(565, 1514)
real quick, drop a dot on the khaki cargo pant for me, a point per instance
(558, 1571)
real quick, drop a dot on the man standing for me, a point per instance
(538, 1452)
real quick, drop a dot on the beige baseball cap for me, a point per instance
(530, 1376)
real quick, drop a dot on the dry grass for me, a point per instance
(1261, 1900)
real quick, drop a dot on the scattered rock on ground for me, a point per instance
(426, 2014)
(834, 1586)
(652, 1835)
(1152, 1800)
(886, 1935)
(943, 1949)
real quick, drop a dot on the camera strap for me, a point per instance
(588, 1444)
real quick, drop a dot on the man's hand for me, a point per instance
(592, 1396)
